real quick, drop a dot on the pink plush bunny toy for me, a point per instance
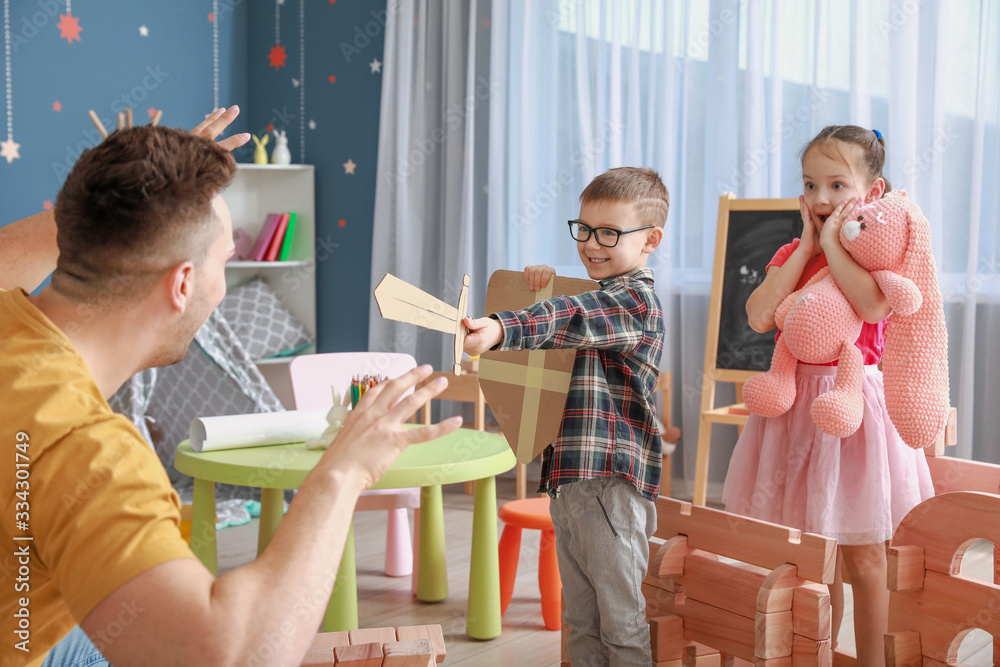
(890, 238)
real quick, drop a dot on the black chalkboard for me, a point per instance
(752, 238)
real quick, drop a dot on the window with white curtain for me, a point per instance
(721, 95)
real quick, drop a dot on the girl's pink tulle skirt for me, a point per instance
(855, 489)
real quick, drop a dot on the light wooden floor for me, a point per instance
(386, 601)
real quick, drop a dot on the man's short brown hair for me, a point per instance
(133, 206)
(639, 186)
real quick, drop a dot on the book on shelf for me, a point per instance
(264, 238)
(286, 243)
(279, 234)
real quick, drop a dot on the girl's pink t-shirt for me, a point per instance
(871, 342)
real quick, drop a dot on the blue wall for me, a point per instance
(113, 65)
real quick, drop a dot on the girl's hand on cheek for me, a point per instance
(840, 215)
(809, 242)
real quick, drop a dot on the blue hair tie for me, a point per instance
(878, 135)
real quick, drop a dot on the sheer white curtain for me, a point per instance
(430, 198)
(716, 95)
(720, 95)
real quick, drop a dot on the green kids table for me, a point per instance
(461, 456)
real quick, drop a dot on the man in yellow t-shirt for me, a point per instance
(88, 518)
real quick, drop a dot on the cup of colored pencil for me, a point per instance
(362, 383)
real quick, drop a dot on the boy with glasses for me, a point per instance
(603, 470)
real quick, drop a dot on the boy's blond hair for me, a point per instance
(639, 186)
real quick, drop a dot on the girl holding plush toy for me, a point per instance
(819, 451)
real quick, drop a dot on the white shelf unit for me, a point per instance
(259, 189)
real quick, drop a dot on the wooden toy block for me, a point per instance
(413, 653)
(775, 593)
(947, 524)
(811, 653)
(432, 633)
(756, 542)
(928, 620)
(722, 630)
(359, 655)
(773, 635)
(902, 649)
(667, 560)
(951, 474)
(319, 657)
(695, 659)
(370, 635)
(331, 640)
(943, 609)
(812, 615)
(905, 568)
(724, 585)
(666, 638)
(667, 663)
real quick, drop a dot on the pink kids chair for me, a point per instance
(312, 375)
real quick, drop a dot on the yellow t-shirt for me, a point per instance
(76, 478)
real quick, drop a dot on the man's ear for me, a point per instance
(179, 284)
(653, 240)
(876, 191)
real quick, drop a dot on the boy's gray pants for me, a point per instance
(602, 531)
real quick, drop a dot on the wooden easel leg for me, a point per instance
(522, 481)
(701, 461)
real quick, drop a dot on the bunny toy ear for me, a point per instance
(915, 361)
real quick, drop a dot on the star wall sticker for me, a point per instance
(277, 56)
(144, 31)
(10, 149)
(312, 124)
(376, 66)
(349, 166)
(57, 106)
(151, 111)
(69, 27)
(296, 82)
(47, 204)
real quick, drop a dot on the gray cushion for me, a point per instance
(261, 322)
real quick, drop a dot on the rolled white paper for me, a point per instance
(255, 430)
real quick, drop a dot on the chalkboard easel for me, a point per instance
(749, 232)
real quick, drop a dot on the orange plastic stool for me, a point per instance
(531, 513)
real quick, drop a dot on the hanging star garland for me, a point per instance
(277, 55)
(69, 25)
(9, 149)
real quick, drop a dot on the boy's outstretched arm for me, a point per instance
(484, 333)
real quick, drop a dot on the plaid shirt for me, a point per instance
(608, 426)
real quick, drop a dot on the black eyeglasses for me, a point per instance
(606, 236)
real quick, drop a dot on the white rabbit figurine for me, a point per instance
(280, 154)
